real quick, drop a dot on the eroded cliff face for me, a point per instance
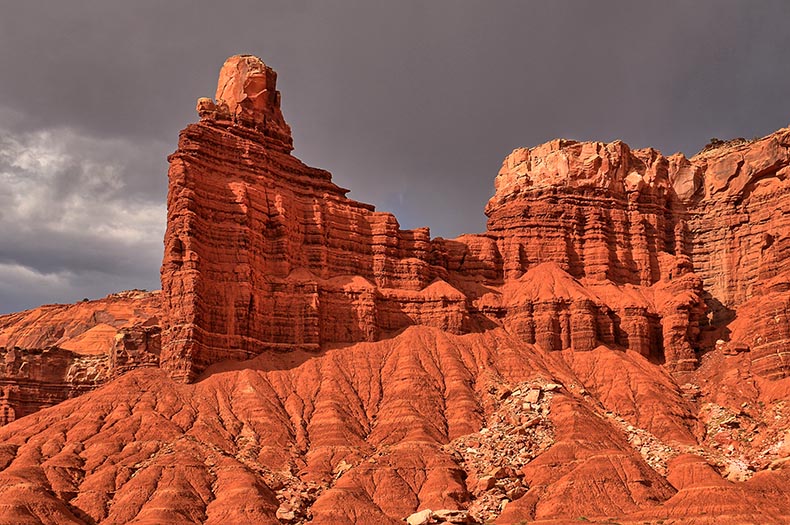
(265, 252)
(604, 214)
(739, 223)
(262, 251)
(614, 346)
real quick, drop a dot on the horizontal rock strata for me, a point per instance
(265, 252)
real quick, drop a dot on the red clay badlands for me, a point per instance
(614, 348)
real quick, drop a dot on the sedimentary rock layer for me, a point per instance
(587, 244)
(256, 240)
(370, 433)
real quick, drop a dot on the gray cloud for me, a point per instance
(73, 223)
(410, 104)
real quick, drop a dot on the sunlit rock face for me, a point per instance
(265, 252)
(262, 251)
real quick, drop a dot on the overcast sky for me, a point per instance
(412, 105)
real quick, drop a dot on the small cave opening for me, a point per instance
(767, 241)
(177, 250)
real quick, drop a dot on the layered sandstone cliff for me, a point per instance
(262, 251)
(607, 213)
(739, 222)
(265, 252)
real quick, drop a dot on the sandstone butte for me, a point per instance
(615, 348)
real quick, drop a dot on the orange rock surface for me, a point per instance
(612, 349)
(262, 251)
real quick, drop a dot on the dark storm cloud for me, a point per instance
(413, 105)
(71, 220)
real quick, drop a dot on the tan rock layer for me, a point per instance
(56, 352)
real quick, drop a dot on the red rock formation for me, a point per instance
(372, 432)
(604, 214)
(598, 210)
(739, 245)
(260, 247)
(264, 252)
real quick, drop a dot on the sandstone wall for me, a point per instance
(739, 244)
(255, 237)
(264, 252)
(587, 244)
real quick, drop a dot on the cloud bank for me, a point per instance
(73, 221)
